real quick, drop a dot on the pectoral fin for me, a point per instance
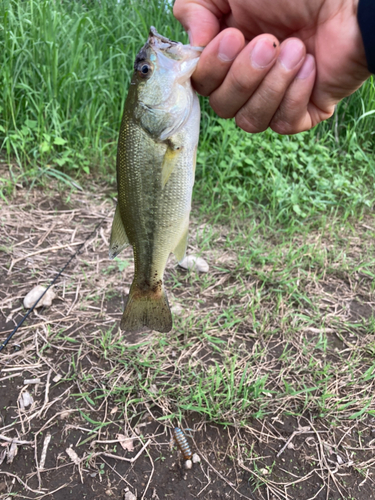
(119, 240)
(180, 248)
(169, 163)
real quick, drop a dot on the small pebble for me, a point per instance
(129, 496)
(26, 399)
(34, 295)
(177, 309)
(196, 459)
(188, 464)
(194, 262)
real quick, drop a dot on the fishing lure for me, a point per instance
(182, 443)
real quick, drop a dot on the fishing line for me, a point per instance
(49, 286)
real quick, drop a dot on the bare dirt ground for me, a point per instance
(78, 418)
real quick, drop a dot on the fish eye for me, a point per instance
(144, 70)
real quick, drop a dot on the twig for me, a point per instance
(43, 250)
(46, 394)
(36, 461)
(150, 477)
(43, 456)
(117, 457)
(119, 475)
(20, 481)
(12, 440)
(302, 430)
(208, 479)
(30, 381)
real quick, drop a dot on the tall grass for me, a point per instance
(64, 72)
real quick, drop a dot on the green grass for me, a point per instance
(64, 73)
(279, 334)
(65, 69)
(296, 176)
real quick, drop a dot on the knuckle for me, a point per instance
(284, 128)
(217, 105)
(271, 93)
(201, 88)
(239, 83)
(245, 124)
(286, 119)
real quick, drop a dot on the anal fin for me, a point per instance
(119, 240)
(180, 249)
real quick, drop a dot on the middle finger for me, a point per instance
(245, 74)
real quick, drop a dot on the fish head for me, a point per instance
(162, 72)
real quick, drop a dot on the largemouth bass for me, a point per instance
(155, 174)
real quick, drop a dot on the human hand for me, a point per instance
(289, 86)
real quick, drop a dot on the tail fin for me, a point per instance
(146, 309)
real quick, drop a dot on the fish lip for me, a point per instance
(160, 42)
(154, 34)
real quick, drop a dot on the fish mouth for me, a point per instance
(159, 41)
(175, 50)
(167, 53)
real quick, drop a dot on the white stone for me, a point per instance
(34, 295)
(188, 464)
(196, 459)
(177, 309)
(195, 263)
(129, 496)
(26, 400)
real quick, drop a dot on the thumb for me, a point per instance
(200, 21)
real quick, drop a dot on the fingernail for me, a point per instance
(263, 53)
(229, 47)
(190, 37)
(307, 67)
(291, 54)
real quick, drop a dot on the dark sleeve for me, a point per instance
(366, 21)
